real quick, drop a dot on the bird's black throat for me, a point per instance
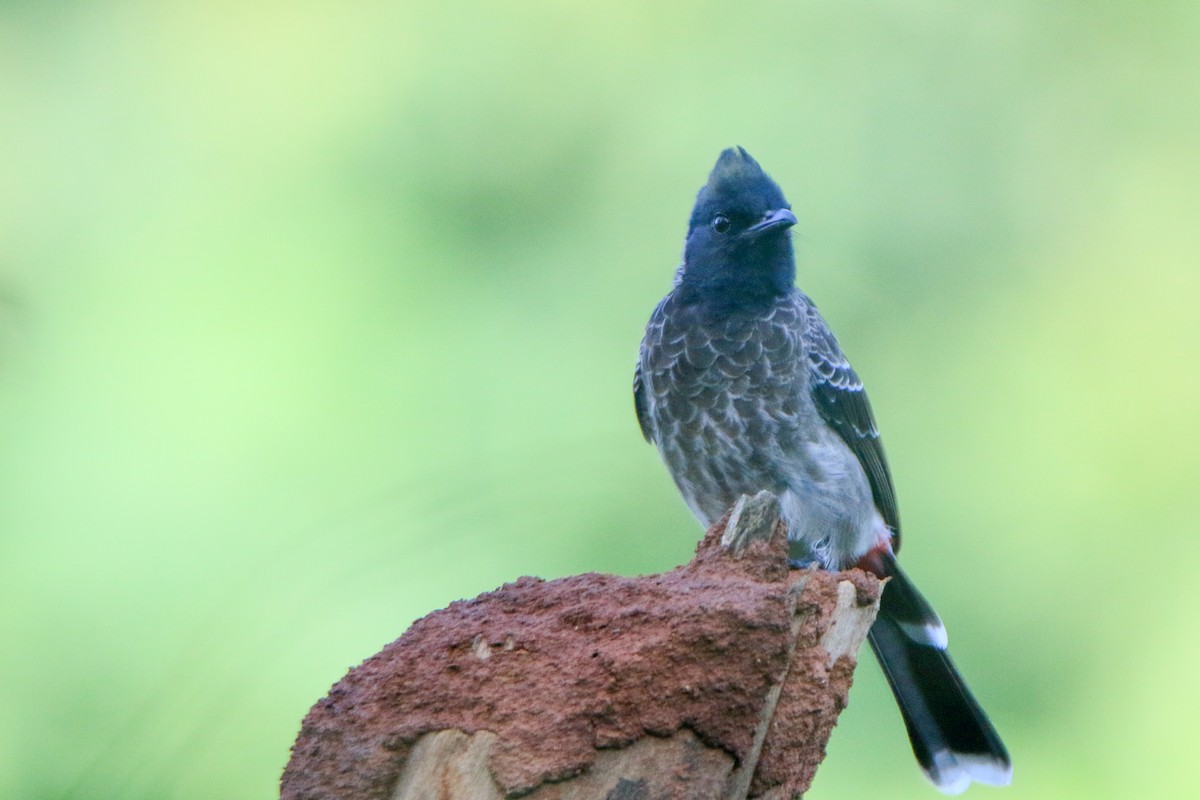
(748, 275)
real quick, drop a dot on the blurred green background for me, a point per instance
(315, 317)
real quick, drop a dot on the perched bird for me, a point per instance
(743, 388)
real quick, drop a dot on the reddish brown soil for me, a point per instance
(558, 669)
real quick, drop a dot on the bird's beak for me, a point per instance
(775, 219)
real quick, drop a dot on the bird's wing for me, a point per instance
(640, 403)
(843, 403)
(650, 349)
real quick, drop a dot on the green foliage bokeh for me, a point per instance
(316, 317)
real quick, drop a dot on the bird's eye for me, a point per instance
(720, 223)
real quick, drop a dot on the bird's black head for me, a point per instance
(738, 249)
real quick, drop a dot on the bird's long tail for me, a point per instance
(951, 736)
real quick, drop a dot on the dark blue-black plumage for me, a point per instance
(743, 388)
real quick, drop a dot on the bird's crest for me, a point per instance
(734, 167)
(737, 182)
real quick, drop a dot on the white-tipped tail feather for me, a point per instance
(951, 737)
(952, 772)
(930, 633)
